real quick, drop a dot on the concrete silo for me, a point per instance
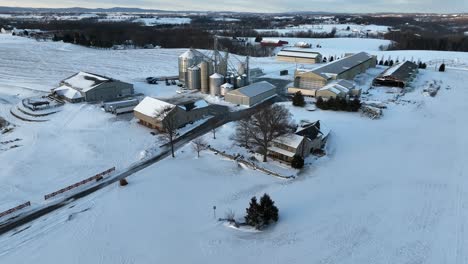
(193, 78)
(216, 80)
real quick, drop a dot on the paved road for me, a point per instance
(222, 116)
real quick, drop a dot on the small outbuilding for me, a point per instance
(398, 75)
(251, 94)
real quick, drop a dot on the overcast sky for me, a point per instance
(435, 6)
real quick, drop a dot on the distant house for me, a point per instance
(152, 112)
(299, 55)
(398, 75)
(90, 87)
(251, 94)
(345, 68)
(304, 141)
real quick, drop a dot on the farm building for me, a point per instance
(152, 112)
(299, 55)
(251, 94)
(398, 75)
(304, 141)
(273, 43)
(90, 87)
(346, 68)
(339, 88)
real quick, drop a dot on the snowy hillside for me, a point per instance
(389, 191)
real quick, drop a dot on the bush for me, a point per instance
(298, 99)
(123, 182)
(339, 104)
(297, 162)
(260, 215)
(442, 67)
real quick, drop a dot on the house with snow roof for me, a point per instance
(89, 87)
(152, 112)
(338, 89)
(305, 140)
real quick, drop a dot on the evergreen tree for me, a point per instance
(420, 65)
(386, 63)
(269, 212)
(381, 62)
(253, 215)
(442, 67)
(325, 59)
(331, 59)
(297, 162)
(391, 63)
(319, 102)
(355, 104)
(424, 65)
(298, 99)
(258, 38)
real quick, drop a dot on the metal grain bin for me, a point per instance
(204, 77)
(216, 80)
(193, 78)
(186, 60)
(225, 88)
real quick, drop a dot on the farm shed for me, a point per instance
(92, 88)
(251, 94)
(299, 55)
(152, 112)
(398, 75)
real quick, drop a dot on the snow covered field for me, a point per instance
(341, 29)
(389, 191)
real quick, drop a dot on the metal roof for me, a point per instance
(297, 54)
(254, 89)
(401, 71)
(342, 65)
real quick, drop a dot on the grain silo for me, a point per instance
(204, 77)
(239, 82)
(186, 60)
(241, 68)
(216, 80)
(225, 88)
(193, 78)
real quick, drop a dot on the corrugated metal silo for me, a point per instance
(225, 88)
(216, 80)
(193, 78)
(188, 59)
(204, 77)
(239, 82)
(241, 68)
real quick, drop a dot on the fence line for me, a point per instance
(73, 186)
(14, 209)
(249, 164)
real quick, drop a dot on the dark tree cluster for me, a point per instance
(298, 99)
(338, 104)
(260, 215)
(297, 162)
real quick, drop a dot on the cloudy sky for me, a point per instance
(436, 6)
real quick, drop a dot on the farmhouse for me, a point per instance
(251, 94)
(398, 75)
(90, 87)
(299, 55)
(346, 68)
(152, 112)
(305, 140)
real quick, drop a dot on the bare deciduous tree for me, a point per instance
(264, 126)
(170, 125)
(199, 145)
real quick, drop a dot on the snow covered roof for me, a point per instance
(216, 75)
(255, 89)
(227, 85)
(84, 81)
(401, 71)
(190, 54)
(342, 65)
(68, 92)
(308, 55)
(154, 108)
(290, 140)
